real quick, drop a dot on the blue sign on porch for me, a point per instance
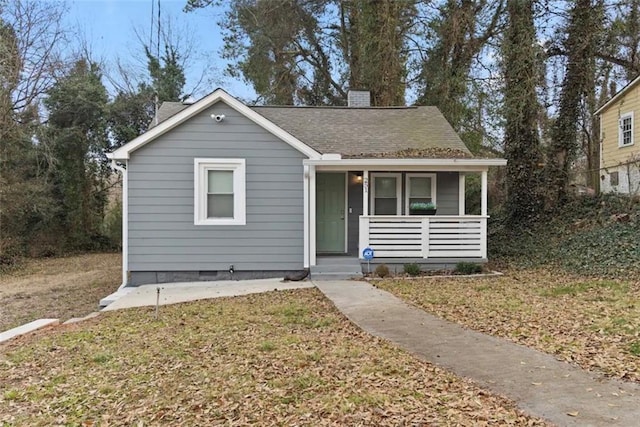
(367, 254)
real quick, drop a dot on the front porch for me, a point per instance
(371, 209)
(438, 236)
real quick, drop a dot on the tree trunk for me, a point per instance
(521, 109)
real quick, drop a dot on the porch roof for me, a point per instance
(448, 164)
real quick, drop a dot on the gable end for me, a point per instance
(219, 95)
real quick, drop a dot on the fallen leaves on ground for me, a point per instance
(594, 323)
(282, 358)
(58, 288)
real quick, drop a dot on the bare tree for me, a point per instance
(39, 37)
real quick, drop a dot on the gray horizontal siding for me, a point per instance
(267, 265)
(240, 252)
(447, 195)
(182, 236)
(182, 209)
(266, 160)
(253, 186)
(176, 192)
(196, 242)
(162, 235)
(246, 260)
(181, 201)
(283, 223)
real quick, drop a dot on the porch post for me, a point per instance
(461, 193)
(365, 192)
(305, 180)
(312, 215)
(483, 208)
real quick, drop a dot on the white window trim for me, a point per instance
(408, 188)
(620, 134)
(398, 177)
(201, 166)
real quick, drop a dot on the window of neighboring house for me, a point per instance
(613, 178)
(219, 197)
(421, 187)
(625, 136)
(386, 193)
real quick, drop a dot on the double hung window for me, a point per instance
(219, 197)
(625, 135)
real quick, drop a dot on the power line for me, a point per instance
(151, 25)
(158, 50)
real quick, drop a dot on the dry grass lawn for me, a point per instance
(592, 322)
(57, 287)
(282, 358)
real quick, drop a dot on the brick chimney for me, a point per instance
(359, 98)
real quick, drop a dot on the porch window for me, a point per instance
(420, 187)
(625, 136)
(386, 194)
(219, 197)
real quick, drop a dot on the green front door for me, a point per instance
(330, 212)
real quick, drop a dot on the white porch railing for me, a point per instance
(438, 236)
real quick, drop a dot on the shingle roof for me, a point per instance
(356, 132)
(168, 109)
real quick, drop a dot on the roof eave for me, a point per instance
(440, 164)
(618, 95)
(124, 152)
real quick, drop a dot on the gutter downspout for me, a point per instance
(125, 221)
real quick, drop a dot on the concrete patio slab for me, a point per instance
(172, 293)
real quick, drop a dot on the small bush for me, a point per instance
(468, 268)
(382, 271)
(412, 269)
(9, 253)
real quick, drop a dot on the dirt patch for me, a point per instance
(57, 287)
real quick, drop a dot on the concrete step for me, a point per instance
(337, 260)
(114, 296)
(337, 268)
(335, 276)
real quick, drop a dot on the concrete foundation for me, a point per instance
(396, 265)
(137, 278)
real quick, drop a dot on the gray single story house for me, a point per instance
(218, 189)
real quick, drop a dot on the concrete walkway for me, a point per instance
(541, 385)
(172, 293)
